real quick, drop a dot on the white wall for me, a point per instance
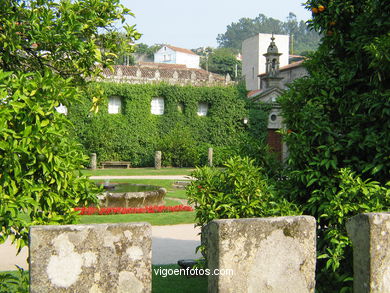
(253, 61)
(191, 61)
(176, 57)
(165, 55)
(250, 62)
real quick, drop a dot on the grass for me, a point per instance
(175, 284)
(138, 172)
(171, 203)
(154, 219)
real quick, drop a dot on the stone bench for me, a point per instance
(115, 164)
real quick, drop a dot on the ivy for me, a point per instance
(135, 134)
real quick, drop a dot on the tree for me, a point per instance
(149, 51)
(47, 51)
(303, 38)
(339, 118)
(222, 61)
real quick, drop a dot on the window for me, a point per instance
(157, 106)
(114, 105)
(62, 109)
(202, 109)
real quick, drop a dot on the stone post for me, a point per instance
(261, 254)
(91, 258)
(93, 161)
(210, 157)
(370, 235)
(157, 160)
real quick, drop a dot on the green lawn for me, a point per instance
(154, 219)
(175, 284)
(138, 171)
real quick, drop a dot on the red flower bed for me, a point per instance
(148, 209)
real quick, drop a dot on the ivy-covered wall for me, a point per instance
(135, 134)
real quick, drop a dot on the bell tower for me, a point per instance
(272, 65)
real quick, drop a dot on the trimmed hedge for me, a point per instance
(135, 134)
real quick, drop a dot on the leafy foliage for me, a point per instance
(47, 49)
(303, 38)
(177, 147)
(339, 118)
(354, 196)
(222, 61)
(36, 186)
(62, 36)
(14, 282)
(135, 134)
(240, 190)
(149, 51)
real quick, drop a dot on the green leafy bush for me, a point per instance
(14, 282)
(354, 196)
(239, 190)
(178, 148)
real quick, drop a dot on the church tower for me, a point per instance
(272, 66)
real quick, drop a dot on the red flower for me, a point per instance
(120, 210)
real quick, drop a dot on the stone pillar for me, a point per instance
(93, 161)
(262, 254)
(210, 157)
(157, 160)
(91, 258)
(370, 235)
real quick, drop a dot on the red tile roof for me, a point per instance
(161, 65)
(177, 49)
(165, 72)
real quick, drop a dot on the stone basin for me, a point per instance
(131, 195)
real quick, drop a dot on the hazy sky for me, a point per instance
(193, 24)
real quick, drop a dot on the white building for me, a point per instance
(174, 55)
(253, 60)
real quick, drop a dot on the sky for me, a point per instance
(194, 24)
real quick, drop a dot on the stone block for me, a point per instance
(91, 258)
(157, 160)
(265, 254)
(93, 161)
(370, 235)
(210, 157)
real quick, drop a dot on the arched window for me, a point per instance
(157, 106)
